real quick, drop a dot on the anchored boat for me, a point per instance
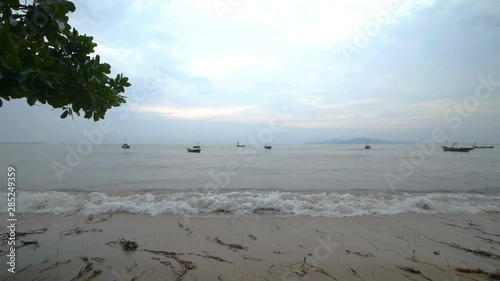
(453, 148)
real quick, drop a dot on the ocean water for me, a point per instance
(313, 180)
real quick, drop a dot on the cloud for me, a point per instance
(201, 113)
(191, 65)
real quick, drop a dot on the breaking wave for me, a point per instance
(329, 204)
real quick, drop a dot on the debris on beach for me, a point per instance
(251, 258)
(189, 231)
(185, 264)
(86, 268)
(476, 252)
(280, 253)
(231, 246)
(26, 243)
(6, 235)
(55, 265)
(252, 237)
(353, 272)
(175, 254)
(302, 268)
(359, 254)
(413, 271)
(471, 228)
(28, 266)
(94, 274)
(488, 240)
(98, 259)
(78, 231)
(493, 276)
(470, 270)
(128, 245)
(93, 219)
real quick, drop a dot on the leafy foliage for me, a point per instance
(43, 59)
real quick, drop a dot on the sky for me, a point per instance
(221, 71)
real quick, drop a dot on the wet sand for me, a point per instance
(264, 247)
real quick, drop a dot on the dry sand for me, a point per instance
(264, 247)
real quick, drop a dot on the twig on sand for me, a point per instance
(78, 231)
(476, 252)
(251, 258)
(359, 254)
(84, 269)
(26, 243)
(408, 277)
(413, 271)
(189, 231)
(97, 259)
(493, 276)
(169, 254)
(252, 237)
(54, 265)
(186, 265)
(488, 240)
(127, 245)
(470, 227)
(94, 274)
(19, 234)
(302, 269)
(24, 269)
(353, 272)
(280, 253)
(231, 246)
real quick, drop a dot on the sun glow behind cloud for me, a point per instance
(268, 54)
(198, 113)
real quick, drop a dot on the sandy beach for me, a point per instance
(264, 247)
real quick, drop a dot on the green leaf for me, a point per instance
(49, 62)
(14, 61)
(31, 100)
(70, 7)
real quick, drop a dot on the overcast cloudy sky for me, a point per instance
(217, 71)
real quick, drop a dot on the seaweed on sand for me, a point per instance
(231, 246)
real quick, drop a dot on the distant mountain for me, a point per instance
(357, 141)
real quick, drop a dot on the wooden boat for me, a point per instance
(197, 145)
(476, 146)
(239, 145)
(456, 149)
(367, 146)
(125, 145)
(267, 146)
(194, 150)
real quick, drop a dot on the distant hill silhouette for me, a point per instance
(358, 141)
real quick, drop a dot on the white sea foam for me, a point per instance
(332, 204)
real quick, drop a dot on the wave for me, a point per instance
(328, 204)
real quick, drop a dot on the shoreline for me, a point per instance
(409, 246)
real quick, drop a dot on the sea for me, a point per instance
(288, 180)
